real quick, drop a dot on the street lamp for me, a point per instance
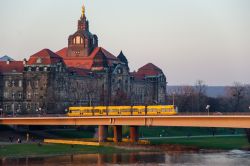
(207, 108)
(1, 111)
(173, 98)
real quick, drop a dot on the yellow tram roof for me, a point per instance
(79, 108)
(139, 107)
(119, 107)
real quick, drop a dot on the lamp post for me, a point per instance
(207, 108)
(173, 98)
(1, 111)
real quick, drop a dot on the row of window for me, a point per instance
(37, 68)
(19, 83)
(19, 106)
(19, 95)
(13, 83)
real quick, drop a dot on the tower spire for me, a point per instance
(83, 10)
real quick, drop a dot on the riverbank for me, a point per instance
(212, 142)
(161, 145)
(36, 149)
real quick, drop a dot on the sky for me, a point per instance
(189, 40)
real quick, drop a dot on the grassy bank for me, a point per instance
(184, 131)
(21, 150)
(224, 143)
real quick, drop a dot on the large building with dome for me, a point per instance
(83, 73)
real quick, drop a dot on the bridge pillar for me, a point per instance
(134, 134)
(117, 134)
(102, 133)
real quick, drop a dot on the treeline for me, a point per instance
(195, 99)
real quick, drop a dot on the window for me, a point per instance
(20, 83)
(29, 68)
(19, 107)
(35, 95)
(36, 84)
(37, 68)
(20, 95)
(28, 106)
(45, 69)
(5, 107)
(78, 40)
(13, 83)
(29, 95)
(39, 60)
(6, 83)
(77, 53)
(13, 95)
(119, 71)
(6, 94)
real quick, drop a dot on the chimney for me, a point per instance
(24, 61)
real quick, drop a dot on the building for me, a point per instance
(83, 73)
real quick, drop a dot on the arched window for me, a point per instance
(39, 60)
(20, 83)
(78, 40)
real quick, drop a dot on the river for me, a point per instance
(230, 158)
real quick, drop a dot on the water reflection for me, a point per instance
(88, 159)
(230, 158)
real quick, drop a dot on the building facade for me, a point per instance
(81, 74)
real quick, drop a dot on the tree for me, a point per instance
(91, 89)
(184, 98)
(237, 94)
(200, 93)
(121, 98)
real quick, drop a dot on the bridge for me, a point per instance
(224, 121)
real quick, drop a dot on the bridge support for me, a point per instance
(117, 134)
(102, 133)
(134, 134)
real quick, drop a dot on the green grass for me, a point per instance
(225, 143)
(21, 150)
(184, 131)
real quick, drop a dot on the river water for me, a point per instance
(231, 158)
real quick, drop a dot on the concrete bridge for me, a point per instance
(229, 121)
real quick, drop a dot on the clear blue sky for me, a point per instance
(189, 39)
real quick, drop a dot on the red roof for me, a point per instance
(149, 70)
(85, 62)
(146, 70)
(47, 57)
(137, 76)
(13, 66)
(63, 52)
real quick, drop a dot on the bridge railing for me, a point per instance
(179, 114)
(214, 113)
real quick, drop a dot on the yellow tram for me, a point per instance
(152, 110)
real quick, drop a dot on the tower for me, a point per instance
(82, 42)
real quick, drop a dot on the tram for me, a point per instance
(152, 110)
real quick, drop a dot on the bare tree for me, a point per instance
(237, 94)
(184, 98)
(91, 90)
(200, 91)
